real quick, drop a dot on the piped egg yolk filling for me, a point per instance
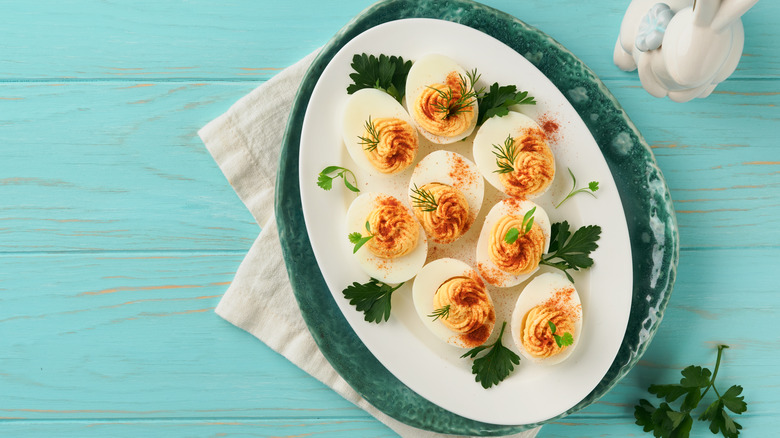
(536, 335)
(470, 314)
(520, 257)
(430, 109)
(534, 165)
(395, 231)
(450, 219)
(396, 145)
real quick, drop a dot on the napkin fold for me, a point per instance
(245, 142)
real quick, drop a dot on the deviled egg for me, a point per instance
(548, 301)
(378, 132)
(509, 249)
(446, 192)
(453, 303)
(513, 155)
(441, 98)
(395, 246)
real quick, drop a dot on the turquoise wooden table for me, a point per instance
(119, 234)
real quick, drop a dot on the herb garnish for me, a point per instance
(497, 100)
(528, 221)
(386, 73)
(372, 141)
(372, 298)
(358, 239)
(325, 181)
(494, 366)
(562, 341)
(666, 422)
(505, 155)
(424, 199)
(467, 95)
(441, 312)
(592, 187)
(572, 253)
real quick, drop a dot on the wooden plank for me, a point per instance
(157, 40)
(117, 166)
(133, 336)
(324, 428)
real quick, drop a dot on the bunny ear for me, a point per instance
(729, 11)
(704, 12)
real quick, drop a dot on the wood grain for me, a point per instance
(119, 234)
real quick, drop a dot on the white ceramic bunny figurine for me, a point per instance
(682, 48)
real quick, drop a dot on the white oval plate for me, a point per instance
(430, 367)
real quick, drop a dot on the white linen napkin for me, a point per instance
(245, 143)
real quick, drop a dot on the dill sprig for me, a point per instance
(441, 312)
(424, 199)
(468, 95)
(370, 143)
(505, 155)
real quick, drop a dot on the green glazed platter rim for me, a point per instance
(643, 192)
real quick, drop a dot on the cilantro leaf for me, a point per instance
(592, 187)
(572, 253)
(565, 340)
(327, 175)
(386, 73)
(358, 239)
(498, 99)
(496, 365)
(372, 298)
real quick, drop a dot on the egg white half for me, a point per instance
(364, 103)
(426, 71)
(395, 270)
(536, 292)
(515, 207)
(454, 170)
(494, 132)
(425, 285)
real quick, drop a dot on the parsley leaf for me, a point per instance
(498, 99)
(666, 422)
(328, 174)
(495, 366)
(512, 235)
(386, 73)
(372, 298)
(572, 253)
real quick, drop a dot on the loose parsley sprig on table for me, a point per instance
(372, 141)
(386, 73)
(505, 155)
(665, 422)
(571, 253)
(326, 177)
(441, 312)
(592, 187)
(424, 199)
(468, 95)
(528, 221)
(372, 298)
(562, 341)
(495, 366)
(360, 240)
(498, 99)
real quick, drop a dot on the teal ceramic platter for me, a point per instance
(645, 199)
